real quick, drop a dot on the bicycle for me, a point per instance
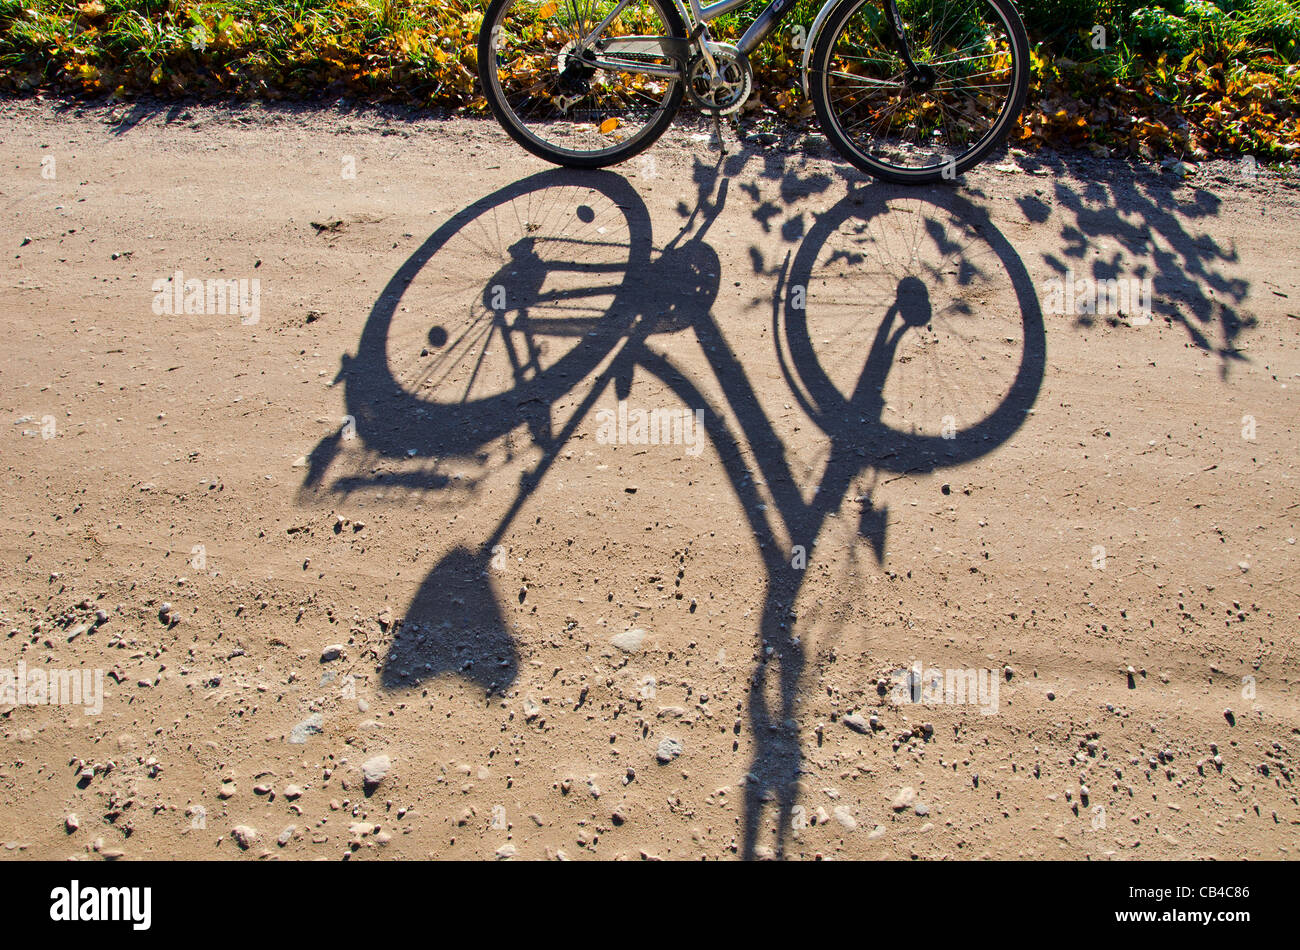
(909, 91)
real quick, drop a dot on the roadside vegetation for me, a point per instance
(1183, 78)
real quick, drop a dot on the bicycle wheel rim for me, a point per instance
(848, 279)
(387, 391)
(976, 51)
(563, 108)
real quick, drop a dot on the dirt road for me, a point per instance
(444, 504)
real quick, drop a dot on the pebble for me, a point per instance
(311, 726)
(506, 852)
(857, 723)
(286, 836)
(375, 769)
(244, 836)
(845, 817)
(630, 640)
(331, 652)
(227, 790)
(668, 750)
(292, 791)
(905, 797)
(72, 822)
(922, 809)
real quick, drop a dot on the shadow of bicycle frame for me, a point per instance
(455, 623)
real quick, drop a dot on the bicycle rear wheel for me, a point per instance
(573, 106)
(973, 62)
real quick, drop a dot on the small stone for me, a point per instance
(506, 852)
(921, 809)
(877, 832)
(311, 726)
(375, 769)
(668, 750)
(227, 790)
(331, 653)
(292, 791)
(244, 836)
(262, 789)
(857, 723)
(286, 835)
(845, 817)
(630, 640)
(72, 823)
(904, 799)
(165, 613)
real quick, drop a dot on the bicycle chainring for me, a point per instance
(730, 90)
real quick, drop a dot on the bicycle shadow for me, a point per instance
(893, 286)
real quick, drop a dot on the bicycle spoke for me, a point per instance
(550, 87)
(922, 122)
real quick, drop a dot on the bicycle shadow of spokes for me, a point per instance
(885, 320)
(494, 323)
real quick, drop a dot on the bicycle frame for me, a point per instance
(698, 15)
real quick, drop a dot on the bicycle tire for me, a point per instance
(885, 171)
(505, 115)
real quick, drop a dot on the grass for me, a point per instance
(1188, 77)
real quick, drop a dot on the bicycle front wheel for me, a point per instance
(576, 99)
(912, 127)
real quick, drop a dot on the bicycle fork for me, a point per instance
(919, 78)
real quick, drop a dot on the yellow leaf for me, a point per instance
(156, 75)
(547, 10)
(609, 125)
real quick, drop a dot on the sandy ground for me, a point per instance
(392, 507)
